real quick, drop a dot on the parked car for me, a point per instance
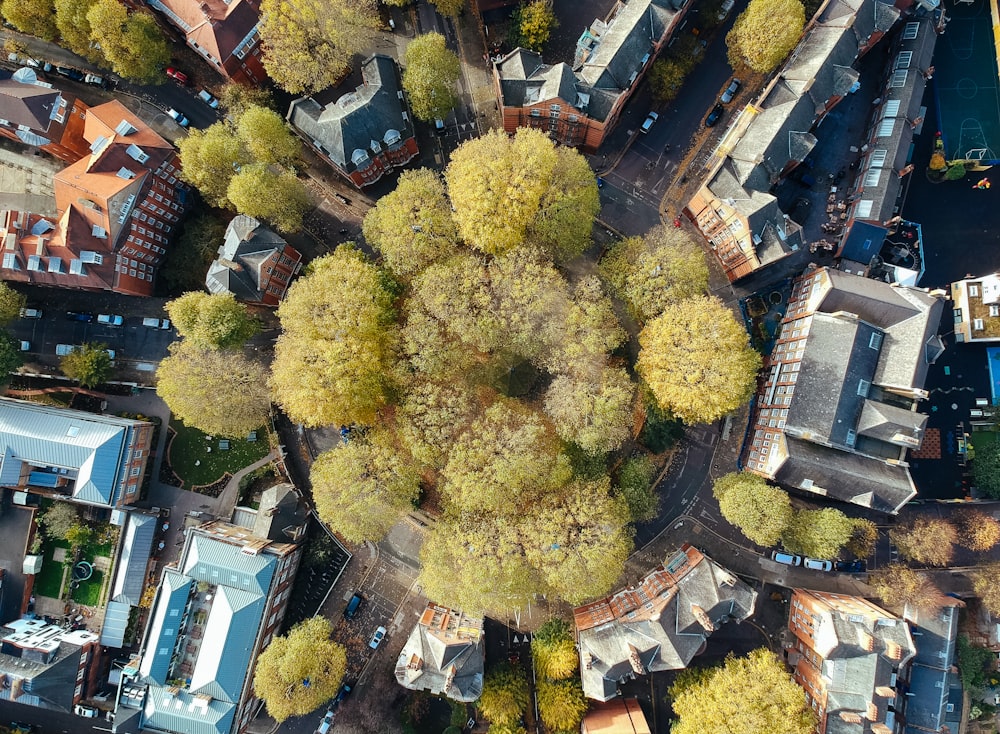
(817, 565)
(439, 127)
(111, 353)
(88, 712)
(341, 694)
(63, 349)
(156, 323)
(850, 566)
(726, 9)
(786, 558)
(178, 76)
(714, 115)
(33, 63)
(25, 346)
(325, 723)
(70, 73)
(31, 313)
(110, 319)
(178, 117)
(97, 81)
(647, 124)
(377, 638)
(352, 606)
(731, 90)
(205, 96)
(80, 316)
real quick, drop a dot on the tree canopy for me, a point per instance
(11, 303)
(553, 650)
(300, 671)
(818, 533)
(594, 414)
(449, 7)
(59, 519)
(977, 531)
(561, 703)
(88, 364)
(219, 392)
(929, 540)
(212, 321)
(430, 75)
(505, 695)
(986, 468)
(635, 486)
(535, 23)
(278, 197)
(308, 44)
(679, 360)
(131, 41)
(765, 33)
(769, 701)
(74, 29)
(986, 583)
(11, 356)
(36, 17)
(760, 511)
(897, 585)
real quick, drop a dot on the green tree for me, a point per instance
(261, 192)
(567, 208)
(505, 695)
(210, 158)
(219, 392)
(929, 540)
(308, 44)
(430, 75)
(78, 535)
(986, 468)
(197, 246)
(131, 42)
(561, 704)
(11, 303)
(863, 538)
(977, 531)
(89, 364)
(986, 583)
(652, 272)
(594, 414)
(765, 33)
(411, 227)
(74, 29)
(553, 650)
(236, 98)
(449, 7)
(334, 360)
(363, 488)
(516, 728)
(667, 75)
(433, 414)
(59, 519)
(679, 360)
(11, 356)
(267, 138)
(300, 671)
(212, 321)
(818, 533)
(635, 485)
(761, 512)
(35, 17)
(975, 663)
(536, 21)
(897, 585)
(769, 702)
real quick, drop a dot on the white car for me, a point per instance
(25, 346)
(88, 712)
(726, 8)
(31, 313)
(647, 124)
(97, 81)
(377, 638)
(817, 565)
(63, 349)
(178, 117)
(786, 558)
(109, 319)
(205, 96)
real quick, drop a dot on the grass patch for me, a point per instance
(49, 579)
(89, 591)
(195, 465)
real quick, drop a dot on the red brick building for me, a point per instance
(254, 264)
(37, 114)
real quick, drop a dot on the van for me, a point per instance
(352, 606)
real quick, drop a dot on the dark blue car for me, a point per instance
(78, 316)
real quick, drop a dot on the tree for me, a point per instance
(986, 468)
(266, 137)
(261, 192)
(300, 671)
(761, 512)
(553, 650)
(334, 360)
(977, 531)
(818, 533)
(411, 227)
(363, 488)
(219, 392)
(536, 21)
(236, 98)
(433, 414)
(449, 7)
(928, 540)
(59, 519)
(863, 538)
(679, 360)
(667, 76)
(595, 415)
(561, 704)
(89, 364)
(78, 535)
(769, 702)
(10, 354)
(74, 29)
(430, 75)
(505, 695)
(635, 485)
(35, 17)
(897, 585)
(580, 341)
(210, 159)
(131, 42)
(308, 44)
(11, 303)
(986, 583)
(212, 321)
(652, 272)
(765, 33)
(567, 208)
(197, 246)
(975, 663)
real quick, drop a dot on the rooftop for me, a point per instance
(444, 654)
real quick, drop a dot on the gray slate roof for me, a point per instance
(466, 654)
(247, 245)
(279, 513)
(30, 105)
(931, 681)
(885, 422)
(136, 545)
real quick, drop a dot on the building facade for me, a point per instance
(254, 264)
(977, 308)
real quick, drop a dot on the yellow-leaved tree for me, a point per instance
(765, 33)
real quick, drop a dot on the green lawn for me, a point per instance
(190, 446)
(48, 581)
(89, 591)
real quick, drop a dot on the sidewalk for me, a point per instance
(477, 72)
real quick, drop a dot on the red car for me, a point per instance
(178, 76)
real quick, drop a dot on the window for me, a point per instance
(910, 31)
(977, 324)
(885, 127)
(973, 290)
(863, 386)
(875, 342)
(864, 209)
(904, 59)
(878, 157)
(851, 438)
(994, 309)
(872, 177)
(898, 78)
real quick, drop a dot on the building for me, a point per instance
(367, 132)
(33, 112)
(92, 459)
(211, 617)
(254, 263)
(659, 624)
(977, 308)
(734, 208)
(223, 32)
(848, 655)
(444, 655)
(580, 105)
(934, 697)
(836, 410)
(618, 716)
(116, 209)
(135, 549)
(44, 665)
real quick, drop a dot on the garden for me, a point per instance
(70, 548)
(199, 460)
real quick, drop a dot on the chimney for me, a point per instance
(872, 713)
(702, 618)
(881, 728)
(885, 692)
(865, 640)
(635, 660)
(450, 680)
(851, 717)
(893, 650)
(416, 662)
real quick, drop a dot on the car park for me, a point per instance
(786, 558)
(205, 96)
(80, 316)
(31, 313)
(731, 90)
(648, 123)
(377, 638)
(817, 565)
(714, 115)
(110, 319)
(178, 76)
(88, 712)
(179, 118)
